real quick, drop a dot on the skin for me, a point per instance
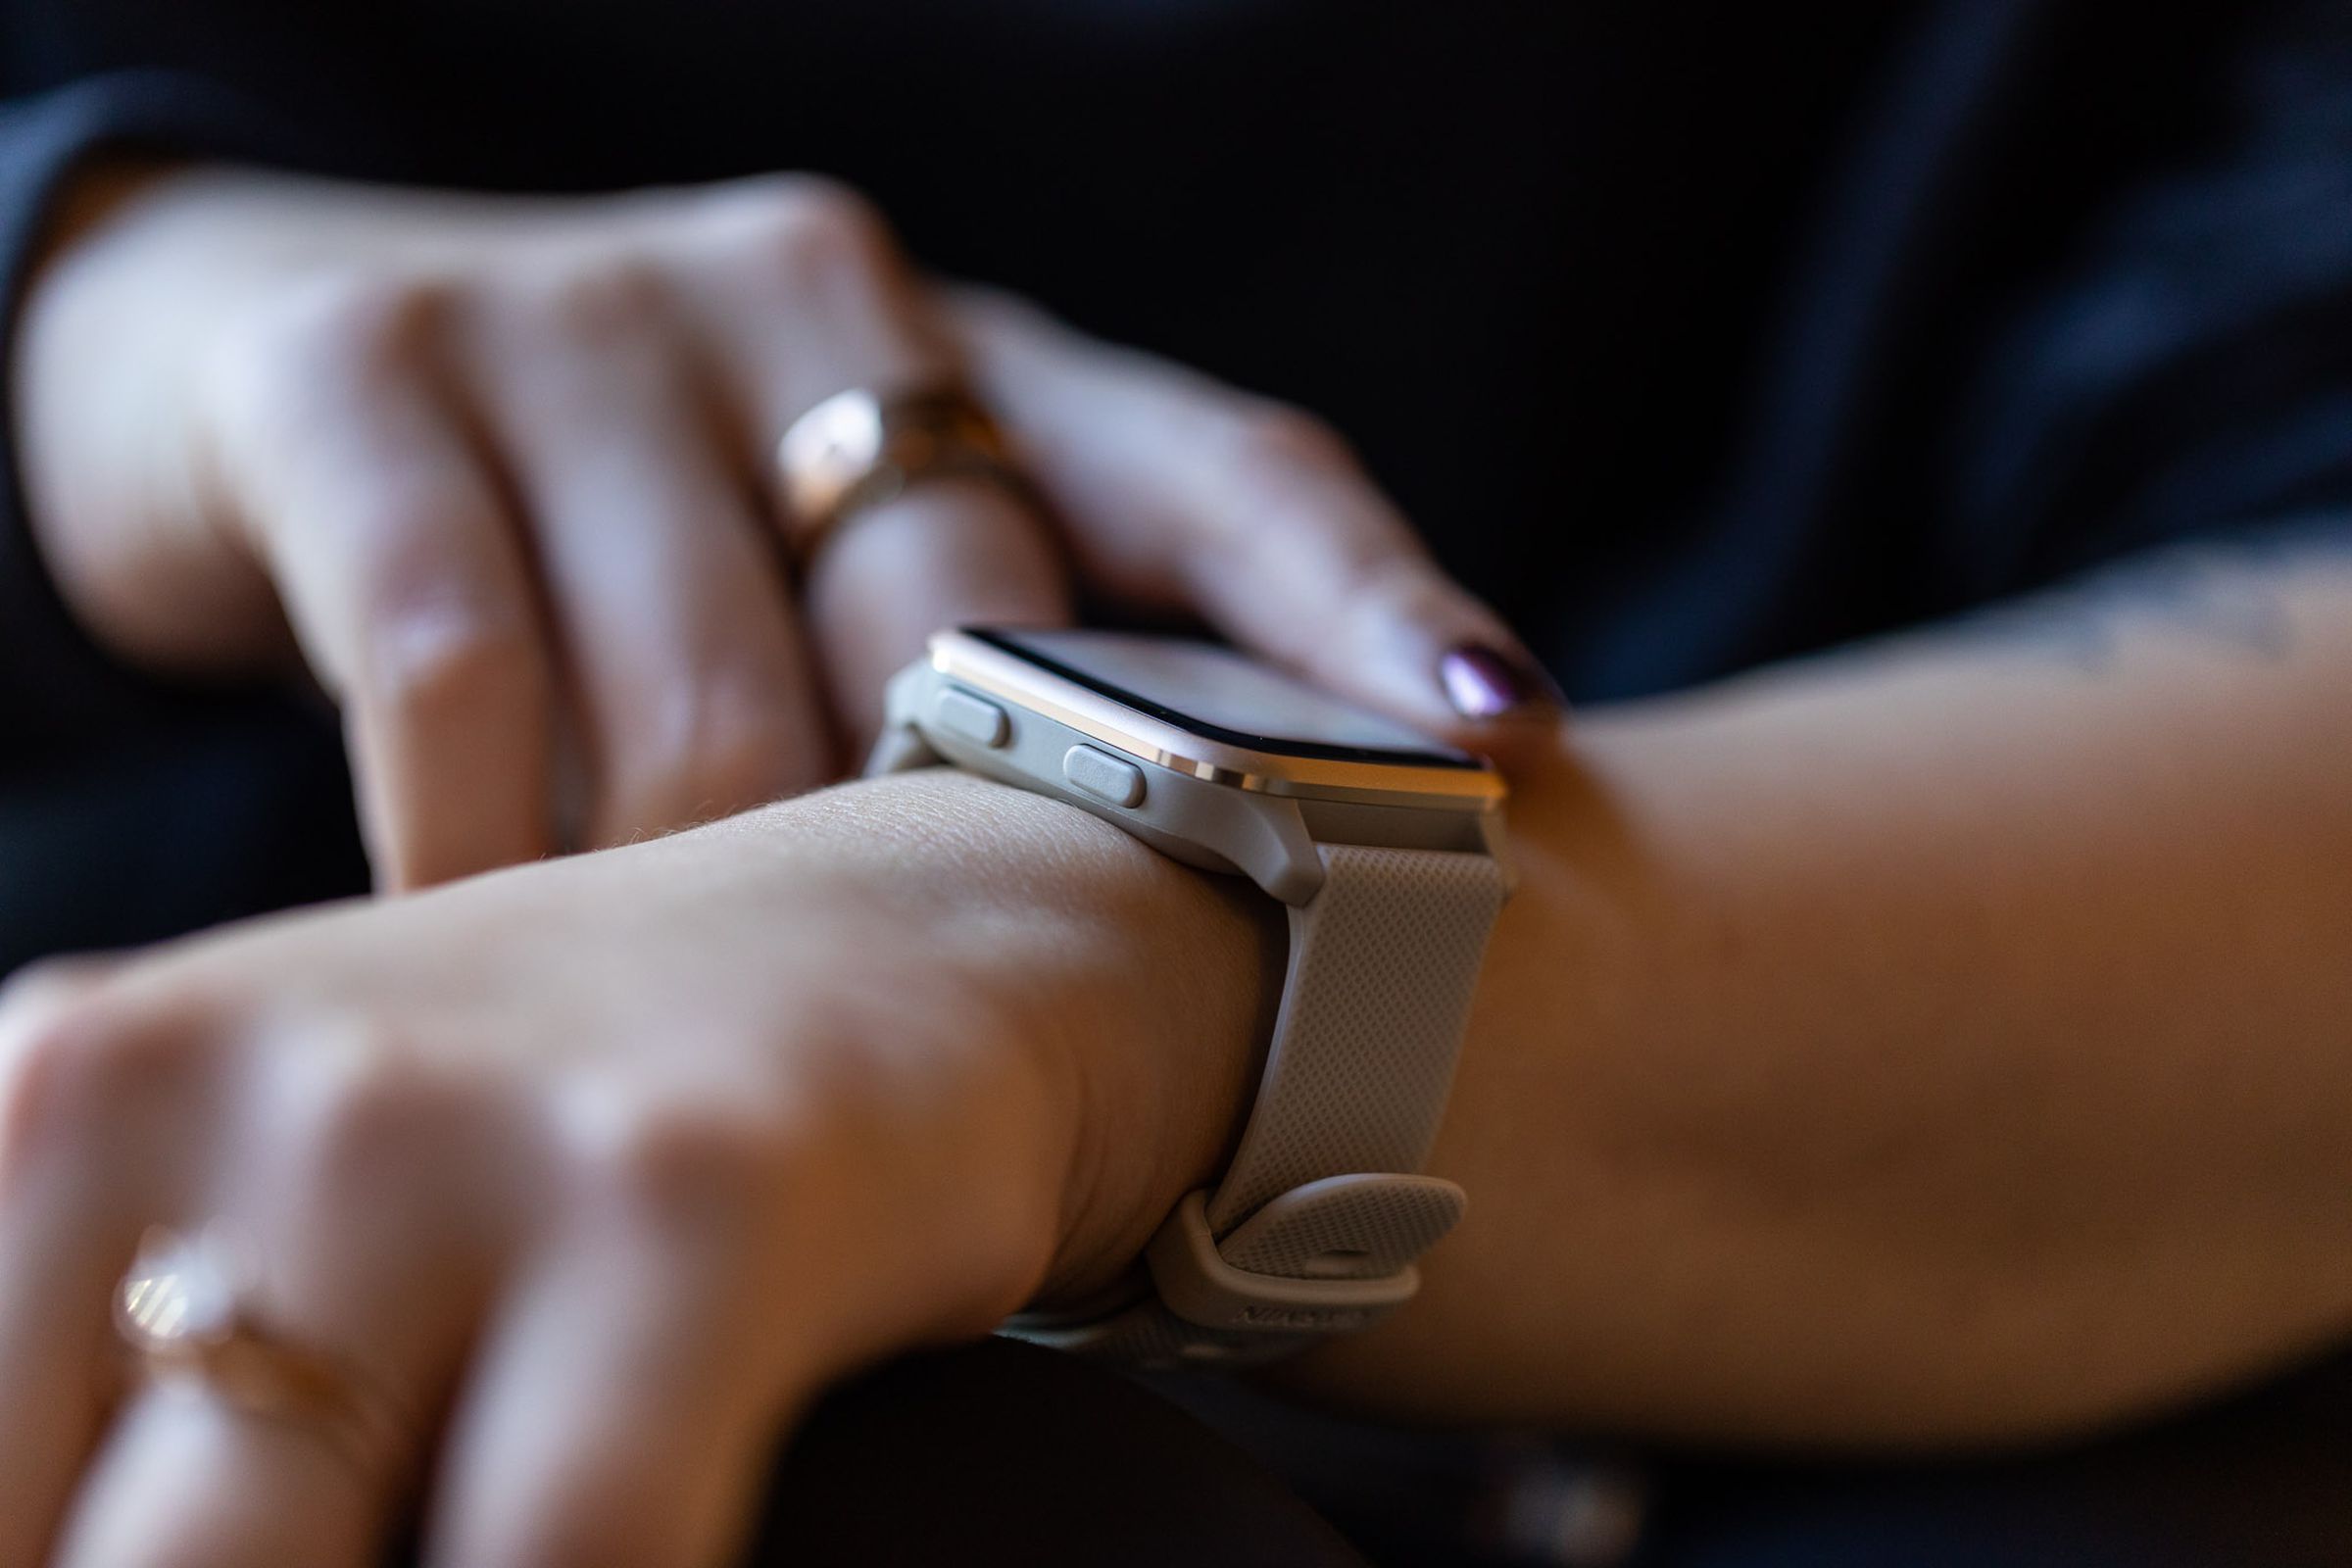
(498, 473)
(1934, 1045)
(604, 1206)
(1848, 1070)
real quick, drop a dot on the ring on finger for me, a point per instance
(862, 448)
(185, 1317)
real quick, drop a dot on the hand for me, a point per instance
(504, 468)
(604, 1166)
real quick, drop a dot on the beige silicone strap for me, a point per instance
(1315, 1225)
(1383, 961)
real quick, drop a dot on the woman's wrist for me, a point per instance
(1139, 992)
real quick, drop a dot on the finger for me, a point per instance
(695, 695)
(184, 1480)
(61, 1253)
(822, 302)
(1180, 492)
(603, 1425)
(402, 572)
(947, 552)
(54, 1347)
(355, 1271)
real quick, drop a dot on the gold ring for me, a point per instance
(860, 449)
(182, 1312)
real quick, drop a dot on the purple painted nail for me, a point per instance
(1484, 683)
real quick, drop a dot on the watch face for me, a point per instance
(1222, 695)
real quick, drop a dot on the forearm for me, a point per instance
(1938, 1042)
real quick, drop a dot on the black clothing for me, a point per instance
(1695, 335)
(1692, 334)
(1004, 1444)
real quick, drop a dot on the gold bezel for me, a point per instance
(974, 663)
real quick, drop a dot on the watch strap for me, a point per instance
(1315, 1225)
(1382, 963)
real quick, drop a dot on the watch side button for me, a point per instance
(1104, 776)
(959, 713)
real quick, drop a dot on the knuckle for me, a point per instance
(430, 654)
(617, 300)
(44, 984)
(1275, 443)
(47, 1033)
(814, 232)
(72, 1056)
(371, 1108)
(674, 1167)
(283, 368)
(371, 324)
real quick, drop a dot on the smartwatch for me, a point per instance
(1386, 849)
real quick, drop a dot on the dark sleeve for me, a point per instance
(58, 690)
(2188, 371)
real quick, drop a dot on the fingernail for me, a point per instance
(1483, 682)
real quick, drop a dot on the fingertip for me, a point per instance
(1431, 656)
(1476, 690)
(1484, 682)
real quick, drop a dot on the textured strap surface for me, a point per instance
(1321, 1197)
(1383, 963)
